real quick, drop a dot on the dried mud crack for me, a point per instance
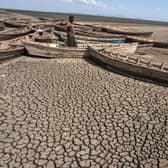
(69, 113)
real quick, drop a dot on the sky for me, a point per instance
(141, 9)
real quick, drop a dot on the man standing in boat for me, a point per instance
(71, 33)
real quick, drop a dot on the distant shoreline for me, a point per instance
(86, 17)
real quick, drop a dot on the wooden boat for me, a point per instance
(53, 50)
(116, 39)
(89, 32)
(11, 52)
(123, 32)
(10, 49)
(97, 34)
(17, 23)
(123, 48)
(130, 64)
(47, 19)
(108, 40)
(13, 33)
(156, 43)
(60, 26)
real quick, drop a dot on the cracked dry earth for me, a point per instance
(70, 113)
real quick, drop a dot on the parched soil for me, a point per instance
(70, 113)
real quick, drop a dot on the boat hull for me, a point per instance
(42, 50)
(16, 23)
(129, 68)
(8, 36)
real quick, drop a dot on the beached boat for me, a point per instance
(130, 64)
(60, 26)
(89, 33)
(116, 39)
(53, 50)
(10, 49)
(49, 19)
(97, 34)
(108, 40)
(123, 32)
(156, 43)
(17, 23)
(124, 48)
(13, 33)
(11, 52)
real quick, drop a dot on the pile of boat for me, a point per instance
(115, 48)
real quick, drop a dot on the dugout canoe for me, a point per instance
(130, 64)
(13, 33)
